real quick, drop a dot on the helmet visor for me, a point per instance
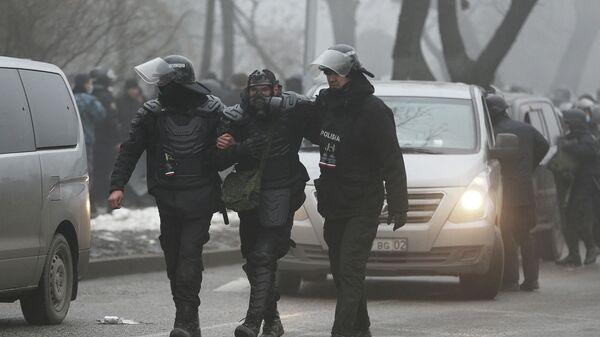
(156, 71)
(340, 63)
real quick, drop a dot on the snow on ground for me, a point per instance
(147, 219)
(127, 232)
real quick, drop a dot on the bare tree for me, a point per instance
(482, 70)
(209, 25)
(343, 19)
(409, 62)
(228, 13)
(577, 53)
(84, 33)
(247, 26)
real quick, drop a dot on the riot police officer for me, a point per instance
(178, 132)
(268, 127)
(518, 205)
(359, 150)
(581, 208)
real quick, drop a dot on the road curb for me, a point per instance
(150, 263)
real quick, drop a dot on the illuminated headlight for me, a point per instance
(471, 200)
(473, 203)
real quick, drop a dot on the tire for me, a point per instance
(486, 286)
(288, 282)
(50, 302)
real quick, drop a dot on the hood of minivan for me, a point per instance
(422, 170)
(427, 170)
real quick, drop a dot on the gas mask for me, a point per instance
(259, 103)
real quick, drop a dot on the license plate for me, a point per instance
(390, 245)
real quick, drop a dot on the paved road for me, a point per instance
(567, 305)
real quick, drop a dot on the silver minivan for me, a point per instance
(44, 199)
(454, 191)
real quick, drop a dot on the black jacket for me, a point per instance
(108, 133)
(282, 167)
(517, 171)
(145, 135)
(583, 148)
(356, 134)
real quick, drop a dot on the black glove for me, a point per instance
(398, 219)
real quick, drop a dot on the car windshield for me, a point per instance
(434, 125)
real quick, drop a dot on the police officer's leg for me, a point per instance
(526, 243)
(170, 233)
(570, 232)
(586, 229)
(194, 234)
(333, 233)
(511, 260)
(355, 250)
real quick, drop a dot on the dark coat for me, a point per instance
(145, 135)
(359, 149)
(517, 171)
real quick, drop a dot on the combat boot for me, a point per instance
(363, 333)
(249, 328)
(591, 255)
(272, 326)
(186, 322)
(570, 261)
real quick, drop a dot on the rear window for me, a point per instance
(16, 131)
(54, 117)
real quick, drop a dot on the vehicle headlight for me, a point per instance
(473, 203)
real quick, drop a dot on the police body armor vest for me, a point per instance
(184, 138)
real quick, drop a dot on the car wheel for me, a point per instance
(486, 286)
(288, 282)
(50, 302)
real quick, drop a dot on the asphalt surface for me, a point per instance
(567, 305)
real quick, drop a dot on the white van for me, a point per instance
(44, 198)
(454, 191)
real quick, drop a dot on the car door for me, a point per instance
(543, 178)
(20, 186)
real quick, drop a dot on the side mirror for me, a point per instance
(507, 145)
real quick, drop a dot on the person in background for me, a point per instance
(108, 133)
(128, 104)
(237, 84)
(518, 203)
(92, 114)
(581, 210)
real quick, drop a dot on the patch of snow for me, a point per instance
(147, 219)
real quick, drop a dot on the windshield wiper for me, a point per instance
(418, 150)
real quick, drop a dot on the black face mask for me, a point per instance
(175, 95)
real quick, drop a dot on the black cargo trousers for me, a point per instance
(350, 241)
(515, 227)
(265, 238)
(581, 215)
(185, 217)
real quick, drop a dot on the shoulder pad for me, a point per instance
(153, 106)
(212, 105)
(234, 112)
(290, 99)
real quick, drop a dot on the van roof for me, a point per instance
(11, 62)
(418, 89)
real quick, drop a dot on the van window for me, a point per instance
(16, 131)
(534, 118)
(55, 121)
(551, 120)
